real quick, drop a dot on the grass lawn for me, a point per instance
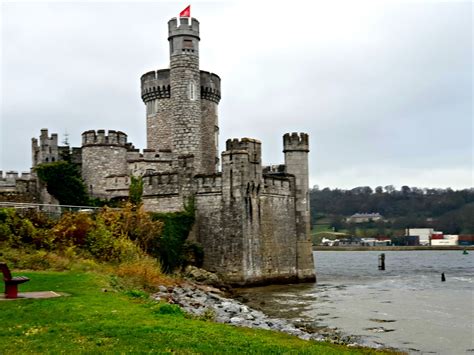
(90, 320)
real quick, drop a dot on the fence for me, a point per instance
(53, 211)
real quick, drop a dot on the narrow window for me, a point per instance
(192, 91)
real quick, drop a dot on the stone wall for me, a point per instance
(16, 187)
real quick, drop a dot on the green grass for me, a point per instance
(90, 320)
(321, 228)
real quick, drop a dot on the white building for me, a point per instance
(449, 239)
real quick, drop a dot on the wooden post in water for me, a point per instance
(382, 261)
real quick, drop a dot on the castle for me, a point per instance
(251, 220)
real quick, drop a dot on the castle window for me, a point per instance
(192, 91)
(188, 43)
(52, 159)
(151, 107)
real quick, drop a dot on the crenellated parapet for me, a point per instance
(208, 184)
(17, 187)
(277, 185)
(13, 176)
(156, 184)
(274, 169)
(183, 35)
(117, 185)
(295, 142)
(156, 85)
(210, 86)
(100, 138)
(252, 146)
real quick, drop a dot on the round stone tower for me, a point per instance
(185, 82)
(102, 155)
(182, 101)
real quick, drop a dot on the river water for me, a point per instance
(406, 306)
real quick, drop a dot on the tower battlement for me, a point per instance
(156, 85)
(46, 149)
(242, 144)
(295, 141)
(115, 138)
(185, 27)
(210, 86)
(183, 36)
(252, 146)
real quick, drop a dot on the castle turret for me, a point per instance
(210, 97)
(296, 149)
(46, 149)
(103, 155)
(181, 102)
(185, 82)
(156, 93)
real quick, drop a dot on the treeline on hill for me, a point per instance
(443, 209)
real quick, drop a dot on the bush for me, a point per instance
(72, 229)
(144, 273)
(165, 308)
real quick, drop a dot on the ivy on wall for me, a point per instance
(173, 249)
(63, 181)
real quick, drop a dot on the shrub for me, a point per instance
(144, 273)
(165, 308)
(72, 229)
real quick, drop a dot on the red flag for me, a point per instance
(186, 12)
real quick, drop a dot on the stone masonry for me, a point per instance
(251, 220)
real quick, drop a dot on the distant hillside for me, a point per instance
(444, 209)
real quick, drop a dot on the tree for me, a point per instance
(63, 181)
(135, 190)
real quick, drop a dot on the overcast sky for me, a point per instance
(384, 88)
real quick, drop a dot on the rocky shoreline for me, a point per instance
(211, 303)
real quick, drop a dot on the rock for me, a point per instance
(236, 320)
(230, 307)
(200, 300)
(202, 276)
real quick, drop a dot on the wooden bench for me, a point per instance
(11, 283)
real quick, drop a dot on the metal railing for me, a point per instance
(50, 210)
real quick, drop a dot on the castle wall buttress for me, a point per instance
(296, 149)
